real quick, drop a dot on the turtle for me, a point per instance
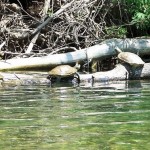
(130, 58)
(64, 71)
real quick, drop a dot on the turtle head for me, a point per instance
(118, 50)
(77, 66)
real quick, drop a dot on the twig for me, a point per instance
(50, 18)
(2, 44)
(63, 48)
(33, 41)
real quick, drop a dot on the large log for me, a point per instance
(100, 51)
(120, 72)
(23, 78)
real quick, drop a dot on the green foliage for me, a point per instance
(115, 31)
(140, 11)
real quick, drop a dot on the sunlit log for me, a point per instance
(99, 51)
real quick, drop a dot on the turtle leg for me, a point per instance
(49, 77)
(54, 79)
(76, 78)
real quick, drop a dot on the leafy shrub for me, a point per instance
(140, 11)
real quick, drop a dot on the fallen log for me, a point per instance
(120, 72)
(100, 51)
(11, 79)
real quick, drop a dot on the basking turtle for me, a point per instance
(130, 58)
(64, 71)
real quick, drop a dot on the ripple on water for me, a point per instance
(112, 116)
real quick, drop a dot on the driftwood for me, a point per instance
(100, 51)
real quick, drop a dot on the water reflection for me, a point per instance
(113, 116)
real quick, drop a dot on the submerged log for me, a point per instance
(100, 51)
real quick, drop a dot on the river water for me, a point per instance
(103, 116)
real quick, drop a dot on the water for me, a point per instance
(99, 117)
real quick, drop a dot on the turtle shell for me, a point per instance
(131, 58)
(62, 71)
